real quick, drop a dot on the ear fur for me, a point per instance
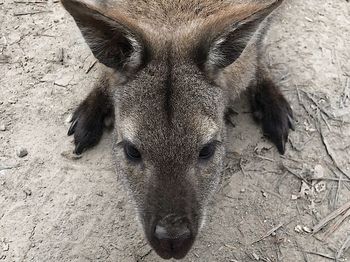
(225, 38)
(113, 39)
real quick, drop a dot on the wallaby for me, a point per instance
(173, 69)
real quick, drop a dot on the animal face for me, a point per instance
(171, 85)
(170, 150)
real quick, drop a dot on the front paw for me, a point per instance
(276, 117)
(88, 123)
(87, 127)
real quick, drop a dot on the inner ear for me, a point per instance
(114, 40)
(224, 40)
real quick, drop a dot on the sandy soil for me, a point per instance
(53, 208)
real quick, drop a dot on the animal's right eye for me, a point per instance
(131, 152)
(207, 151)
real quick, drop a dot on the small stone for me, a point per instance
(256, 257)
(27, 191)
(64, 79)
(320, 187)
(318, 171)
(5, 246)
(298, 228)
(22, 152)
(307, 229)
(264, 194)
(294, 197)
(305, 189)
(242, 190)
(12, 101)
(2, 127)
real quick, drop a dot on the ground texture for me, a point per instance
(269, 208)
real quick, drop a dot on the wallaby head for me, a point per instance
(175, 65)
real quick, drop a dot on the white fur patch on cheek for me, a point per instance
(206, 127)
(203, 220)
(127, 129)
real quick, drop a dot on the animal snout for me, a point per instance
(173, 236)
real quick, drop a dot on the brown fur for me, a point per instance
(175, 67)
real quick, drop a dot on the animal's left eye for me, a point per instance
(131, 152)
(207, 151)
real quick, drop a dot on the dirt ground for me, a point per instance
(53, 208)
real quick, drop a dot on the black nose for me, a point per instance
(173, 237)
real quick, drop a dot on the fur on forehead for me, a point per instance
(204, 126)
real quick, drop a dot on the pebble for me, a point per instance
(12, 101)
(22, 152)
(307, 229)
(294, 197)
(320, 187)
(2, 127)
(28, 192)
(298, 228)
(5, 247)
(319, 171)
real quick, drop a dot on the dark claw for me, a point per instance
(281, 145)
(72, 127)
(78, 149)
(291, 123)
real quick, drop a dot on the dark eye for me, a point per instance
(131, 152)
(207, 151)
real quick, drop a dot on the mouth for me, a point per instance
(175, 248)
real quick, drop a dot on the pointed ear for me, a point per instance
(114, 40)
(225, 39)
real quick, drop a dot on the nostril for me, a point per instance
(172, 233)
(160, 232)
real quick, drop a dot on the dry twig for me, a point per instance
(268, 233)
(320, 255)
(31, 13)
(91, 67)
(330, 152)
(296, 175)
(323, 222)
(302, 251)
(343, 248)
(336, 225)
